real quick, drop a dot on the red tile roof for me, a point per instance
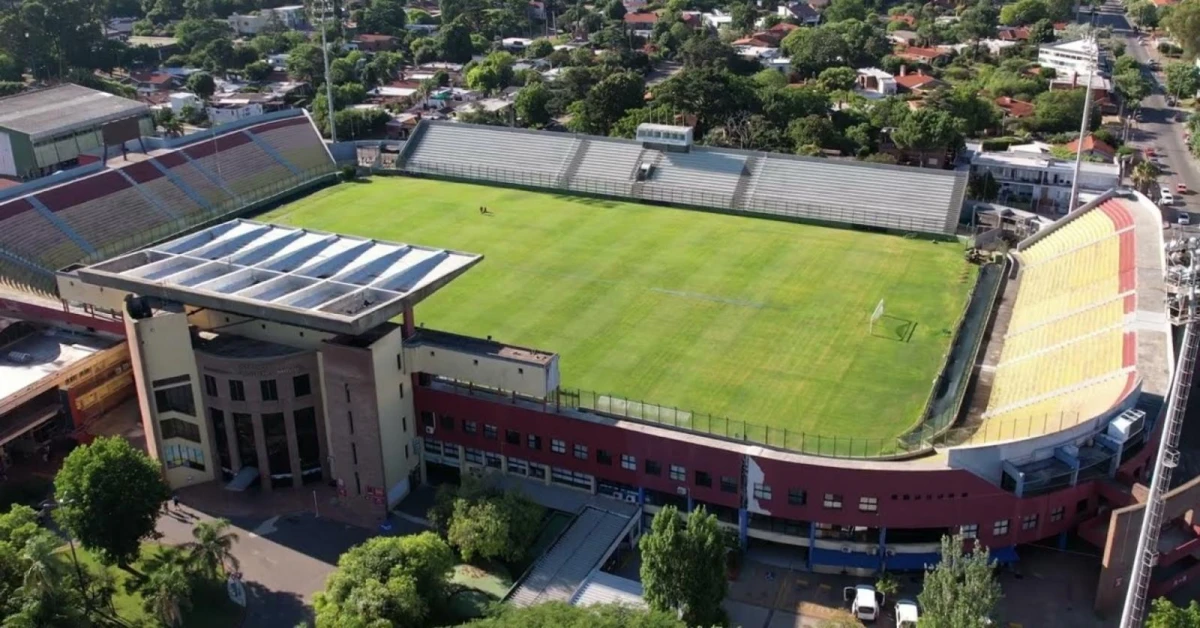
(641, 18)
(914, 82)
(920, 54)
(1091, 144)
(373, 37)
(907, 19)
(1015, 108)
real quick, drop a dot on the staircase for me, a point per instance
(150, 198)
(270, 150)
(572, 166)
(636, 188)
(181, 184)
(61, 225)
(208, 174)
(747, 182)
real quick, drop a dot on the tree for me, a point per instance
(213, 546)
(454, 42)
(539, 48)
(712, 95)
(202, 84)
(1145, 14)
(705, 51)
(961, 591)
(1023, 12)
(1041, 32)
(606, 102)
(483, 78)
(257, 71)
(306, 63)
(927, 130)
(167, 587)
(814, 49)
(386, 581)
(1059, 111)
(683, 566)
(813, 131)
(614, 11)
(1164, 614)
(1183, 79)
(1133, 87)
(839, 10)
(1145, 175)
(563, 615)
(110, 495)
(837, 79)
(531, 105)
(384, 17)
(1183, 23)
(166, 120)
(976, 113)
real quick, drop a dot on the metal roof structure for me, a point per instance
(605, 588)
(324, 281)
(47, 112)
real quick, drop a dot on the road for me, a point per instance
(1159, 128)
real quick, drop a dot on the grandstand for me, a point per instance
(157, 194)
(836, 191)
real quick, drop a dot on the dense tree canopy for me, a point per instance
(683, 565)
(961, 591)
(393, 581)
(563, 615)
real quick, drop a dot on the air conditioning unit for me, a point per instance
(682, 490)
(631, 498)
(890, 552)
(428, 429)
(846, 549)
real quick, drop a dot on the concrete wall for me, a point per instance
(353, 429)
(397, 418)
(160, 347)
(277, 333)
(529, 379)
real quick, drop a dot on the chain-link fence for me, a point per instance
(733, 200)
(44, 280)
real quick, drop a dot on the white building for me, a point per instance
(875, 83)
(1040, 181)
(232, 110)
(756, 53)
(179, 100)
(717, 19)
(290, 17)
(1071, 57)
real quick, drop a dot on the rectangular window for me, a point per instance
(969, 531)
(797, 496)
(401, 391)
(473, 456)
(570, 478)
(175, 399)
(868, 504)
(603, 457)
(581, 451)
(678, 473)
(1000, 528)
(1081, 506)
(447, 422)
(354, 452)
(489, 431)
(404, 424)
(1056, 515)
(703, 478)
(433, 446)
(210, 386)
(268, 390)
(1029, 522)
(492, 460)
(558, 446)
(832, 501)
(183, 456)
(301, 386)
(512, 437)
(628, 462)
(537, 471)
(535, 441)
(469, 427)
(653, 468)
(237, 390)
(168, 381)
(728, 484)
(762, 491)
(518, 466)
(176, 428)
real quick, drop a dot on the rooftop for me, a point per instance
(40, 354)
(64, 108)
(1079, 46)
(311, 279)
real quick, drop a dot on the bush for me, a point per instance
(349, 173)
(8, 88)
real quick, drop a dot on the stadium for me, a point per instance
(800, 345)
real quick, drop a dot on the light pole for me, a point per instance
(326, 9)
(1083, 129)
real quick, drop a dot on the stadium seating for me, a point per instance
(1068, 354)
(492, 153)
(607, 165)
(712, 175)
(153, 197)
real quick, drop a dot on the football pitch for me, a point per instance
(752, 319)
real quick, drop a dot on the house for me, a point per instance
(902, 37)
(928, 56)
(515, 44)
(802, 12)
(1014, 108)
(291, 17)
(1039, 181)
(940, 157)
(717, 19)
(875, 83)
(641, 24)
(756, 53)
(150, 82)
(1013, 33)
(906, 19)
(1081, 56)
(370, 42)
(916, 83)
(1093, 147)
(178, 100)
(1102, 89)
(236, 106)
(783, 65)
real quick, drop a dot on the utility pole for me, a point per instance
(326, 9)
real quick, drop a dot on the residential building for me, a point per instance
(374, 43)
(928, 56)
(875, 83)
(226, 112)
(1014, 108)
(150, 82)
(178, 100)
(902, 37)
(641, 24)
(1039, 181)
(291, 17)
(1094, 148)
(916, 82)
(803, 12)
(1081, 56)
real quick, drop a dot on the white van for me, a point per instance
(1165, 197)
(865, 601)
(906, 614)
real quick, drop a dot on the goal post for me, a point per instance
(876, 315)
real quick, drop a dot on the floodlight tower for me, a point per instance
(1183, 283)
(1092, 68)
(323, 11)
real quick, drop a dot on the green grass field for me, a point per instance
(756, 320)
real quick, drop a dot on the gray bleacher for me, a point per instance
(492, 154)
(832, 190)
(564, 568)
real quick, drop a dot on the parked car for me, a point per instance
(1181, 188)
(907, 615)
(1165, 197)
(865, 601)
(1184, 218)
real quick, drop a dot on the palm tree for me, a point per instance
(1144, 175)
(41, 566)
(213, 547)
(167, 589)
